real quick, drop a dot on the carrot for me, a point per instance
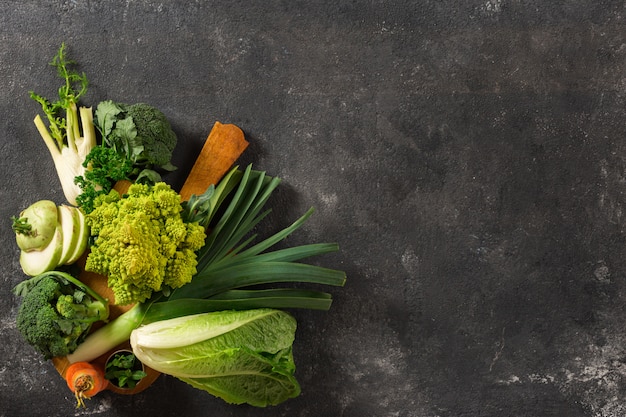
(85, 380)
(225, 143)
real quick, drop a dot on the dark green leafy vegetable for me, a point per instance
(137, 143)
(105, 168)
(140, 132)
(124, 370)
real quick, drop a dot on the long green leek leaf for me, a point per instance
(291, 254)
(210, 283)
(240, 216)
(240, 300)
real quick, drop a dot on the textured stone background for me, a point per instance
(467, 155)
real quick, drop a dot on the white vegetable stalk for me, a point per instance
(69, 157)
(107, 337)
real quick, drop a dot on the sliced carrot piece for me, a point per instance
(225, 143)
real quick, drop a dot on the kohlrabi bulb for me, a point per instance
(42, 217)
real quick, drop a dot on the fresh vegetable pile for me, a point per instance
(179, 277)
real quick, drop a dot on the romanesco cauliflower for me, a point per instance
(141, 241)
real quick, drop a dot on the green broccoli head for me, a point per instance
(154, 132)
(57, 311)
(142, 134)
(79, 307)
(141, 242)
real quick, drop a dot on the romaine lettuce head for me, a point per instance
(239, 356)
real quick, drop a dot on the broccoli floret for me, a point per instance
(77, 306)
(57, 311)
(154, 132)
(141, 242)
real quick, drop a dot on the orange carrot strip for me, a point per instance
(226, 142)
(122, 186)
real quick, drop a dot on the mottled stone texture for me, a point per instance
(467, 155)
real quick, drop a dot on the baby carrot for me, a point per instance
(84, 380)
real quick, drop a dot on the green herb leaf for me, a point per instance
(120, 370)
(106, 113)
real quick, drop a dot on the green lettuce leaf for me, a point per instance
(239, 356)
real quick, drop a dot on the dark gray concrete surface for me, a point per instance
(468, 156)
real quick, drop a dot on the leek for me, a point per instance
(230, 268)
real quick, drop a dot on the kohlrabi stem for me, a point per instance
(21, 226)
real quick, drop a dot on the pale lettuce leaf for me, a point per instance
(239, 356)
